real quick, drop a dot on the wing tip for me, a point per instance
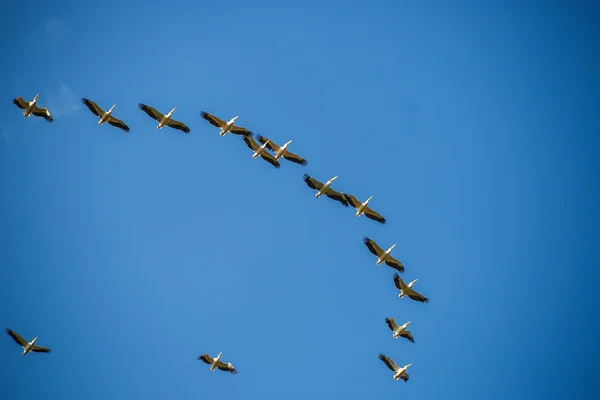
(142, 106)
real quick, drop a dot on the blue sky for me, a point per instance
(473, 124)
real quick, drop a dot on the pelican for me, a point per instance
(407, 290)
(27, 346)
(399, 373)
(164, 119)
(261, 151)
(31, 107)
(399, 330)
(363, 208)
(281, 151)
(324, 189)
(217, 363)
(383, 256)
(104, 115)
(225, 126)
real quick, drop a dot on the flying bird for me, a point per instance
(261, 151)
(27, 346)
(225, 126)
(105, 116)
(324, 189)
(217, 363)
(383, 256)
(399, 373)
(281, 151)
(407, 290)
(399, 330)
(363, 208)
(164, 119)
(31, 107)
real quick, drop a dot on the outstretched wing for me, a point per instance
(206, 358)
(151, 111)
(389, 362)
(399, 282)
(19, 102)
(226, 367)
(219, 123)
(238, 130)
(118, 123)
(404, 377)
(40, 349)
(269, 158)
(392, 262)
(16, 337)
(392, 324)
(312, 183)
(371, 214)
(295, 158)
(407, 335)
(337, 196)
(353, 201)
(416, 296)
(42, 112)
(252, 145)
(373, 247)
(270, 145)
(173, 123)
(93, 107)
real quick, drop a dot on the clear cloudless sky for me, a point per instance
(473, 124)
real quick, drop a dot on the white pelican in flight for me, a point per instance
(261, 151)
(399, 373)
(27, 346)
(217, 363)
(225, 126)
(164, 119)
(407, 290)
(324, 189)
(105, 116)
(363, 208)
(399, 331)
(383, 256)
(281, 151)
(31, 107)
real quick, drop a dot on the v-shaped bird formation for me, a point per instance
(269, 151)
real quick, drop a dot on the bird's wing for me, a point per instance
(19, 102)
(206, 358)
(93, 107)
(295, 158)
(369, 213)
(269, 158)
(407, 335)
(353, 201)
(271, 146)
(219, 123)
(389, 362)
(226, 367)
(404, 377)
(312, 183)
(416, 296)
(392, 324)
(151, 111)
(252, 145)
(238, 130)
(399, 282)
(373, 247)
(16, 337)
(40, 349)
(118, 123)
(337, 196)
(173, 123)
(42, 112)
(392, 262)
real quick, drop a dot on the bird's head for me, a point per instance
(219, 356)
(407, 365)
(35, 98)
(34, 339)
(413, 282)
(265, 144)
(408, 323)
(287, 144)
(109, 111)
(172, 111)
(333, 179)
(368, 200)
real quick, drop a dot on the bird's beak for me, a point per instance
(408, 365)
(236, 117)
(369, 199)
(36, 96)
(219, 354)
(408, 323)
(288, 143)
(393, 246)
(34, 339)
(172, 110)
(334, 178)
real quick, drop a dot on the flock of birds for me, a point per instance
(362, 208)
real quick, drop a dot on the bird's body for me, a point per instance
(325, 189)
(225, 126)
(260, 151)
(383, 256)
(27, 346)
(363, 208)
(399, 330)
(217, 363)
(164, 120)
(31, 107)
(407, 290)
(105, 116)
(399, 373)
(281, 151)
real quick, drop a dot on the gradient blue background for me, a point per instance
(473, 124)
